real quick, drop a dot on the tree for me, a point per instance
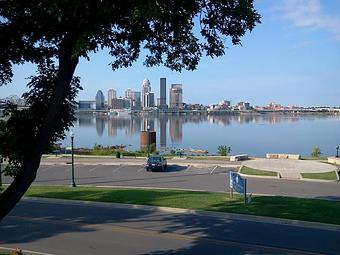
(55, 34)
(150, 149)
(316, 152)
(224, 150)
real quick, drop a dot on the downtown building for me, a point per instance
(111, 94)
(134, 98)
(161, 102)
(176, 96)
(129, 93)
(121, 103)
(136, 102)
(146, 88)
(149, 100)
(148, 97)
(100, 100)
(86, 105)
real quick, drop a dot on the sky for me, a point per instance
(292, 58)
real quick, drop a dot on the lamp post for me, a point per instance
(72, 137)
(337, 151)
(149, 140)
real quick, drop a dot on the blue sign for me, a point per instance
(238, 183)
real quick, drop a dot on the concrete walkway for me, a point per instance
(290, 169)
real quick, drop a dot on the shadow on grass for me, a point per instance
(280, 207)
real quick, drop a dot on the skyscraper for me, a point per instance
(111, 94)
(129, 94)
(100, 99)
(149, 100)
(136, 101)
(162, 98)
(175, 96)
(146, 88)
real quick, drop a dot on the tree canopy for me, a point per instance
(54, 34)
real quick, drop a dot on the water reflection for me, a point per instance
(254, 134)
(162, 122)
(86, 120)
(176, 129)
(100, 126)
(134, 124)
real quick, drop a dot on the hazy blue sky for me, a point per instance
(292, 58)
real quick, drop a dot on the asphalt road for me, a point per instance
(209, 178)
(74, 228)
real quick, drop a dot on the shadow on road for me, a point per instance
(175, 168)
(32, 221)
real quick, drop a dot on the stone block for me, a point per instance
(334, 160)
(283, 156)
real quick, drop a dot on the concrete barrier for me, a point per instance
(334, 160)
(283, 156)
(239, 157)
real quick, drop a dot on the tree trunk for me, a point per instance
(12, 195)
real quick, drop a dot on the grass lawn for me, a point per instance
(280, 207)
(330, 176)
(252, 171)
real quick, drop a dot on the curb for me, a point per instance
(230, 216)
(261, 176)
(316, 180)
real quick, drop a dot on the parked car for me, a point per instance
(156, 163)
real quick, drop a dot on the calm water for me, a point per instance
(253, 135)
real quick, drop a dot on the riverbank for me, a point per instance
(208, 111)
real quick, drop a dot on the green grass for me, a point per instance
(252, 171)
(280, 207)
(330, 176)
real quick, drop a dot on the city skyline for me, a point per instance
(137, 100)
(291, 58)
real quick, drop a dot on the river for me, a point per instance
(254, 135)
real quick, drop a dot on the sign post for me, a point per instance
(238, 184)
(245, 191)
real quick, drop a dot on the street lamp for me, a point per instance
(72, 137)
(337, 151)
(149, 140)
